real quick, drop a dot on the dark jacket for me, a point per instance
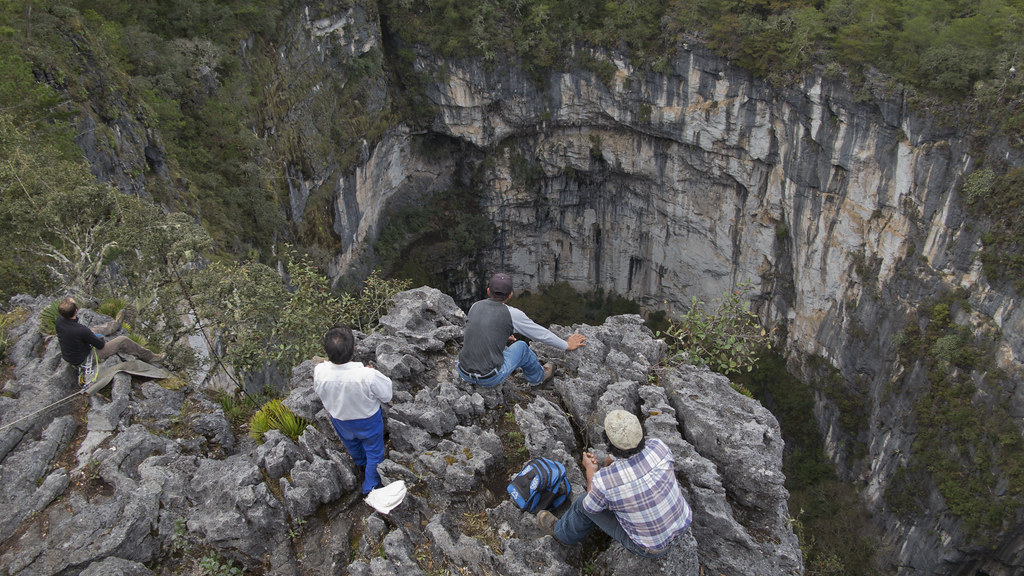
(75, 340)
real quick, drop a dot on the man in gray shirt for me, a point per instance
(485, 360)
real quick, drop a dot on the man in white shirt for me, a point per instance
(485, 360)
(352, 394)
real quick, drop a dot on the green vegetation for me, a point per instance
(848, 397)
(943, 47)
(476, 525)
(215, 565)
(264, 320)
(239, 409)
(835, 532)
(276, 416)
(994, 197)
(9, 320)
(429, 244)
(727, 338)
(968, 444)
(149, 63)
(561, 304)
(48, 318)
(513, 444)
(111, 306)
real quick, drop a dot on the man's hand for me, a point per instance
(511, 338)
(589, 464)
(576, 340)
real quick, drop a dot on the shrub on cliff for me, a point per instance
(262, 318)
(726, 337)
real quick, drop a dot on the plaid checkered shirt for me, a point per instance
(644, 495)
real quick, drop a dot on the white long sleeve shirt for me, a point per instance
(521, 324)
(350, 391)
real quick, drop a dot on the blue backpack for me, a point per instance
(540, 485)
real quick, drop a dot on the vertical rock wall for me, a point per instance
(842, 210)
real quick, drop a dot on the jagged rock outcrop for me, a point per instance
(168, 483)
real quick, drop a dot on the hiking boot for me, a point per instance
(546, 522)
(549, 373)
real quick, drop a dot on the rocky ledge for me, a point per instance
(145, 480)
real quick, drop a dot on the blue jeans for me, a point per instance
(518, 355)
(364, 440)
(576, 523)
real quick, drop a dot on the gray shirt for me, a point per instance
(488, 326)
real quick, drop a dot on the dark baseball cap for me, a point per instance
(500, 285)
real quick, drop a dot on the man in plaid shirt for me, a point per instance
(635, 499)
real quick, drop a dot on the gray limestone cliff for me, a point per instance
(143, 479)
(841, 206)
(842, 210)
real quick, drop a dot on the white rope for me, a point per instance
(43, 409)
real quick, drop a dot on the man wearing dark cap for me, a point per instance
(635, 498)
(485, 360)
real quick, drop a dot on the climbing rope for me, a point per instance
(213, 350)
(89, 371)
(43, 409)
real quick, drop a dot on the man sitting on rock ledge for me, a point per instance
(485, 360)
(636, 499)
(76, 340)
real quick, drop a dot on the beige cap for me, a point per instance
(623, 429)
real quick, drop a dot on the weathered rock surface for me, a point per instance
(166, 484)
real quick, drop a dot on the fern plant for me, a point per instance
(111, 306)
(276, 416)
(48, 319)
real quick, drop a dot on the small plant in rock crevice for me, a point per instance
(274, 415)
(513, 442)
(111, 306)
(179, 542)
(477, 525)
(214, 565)
(48, 319)
(238, 409)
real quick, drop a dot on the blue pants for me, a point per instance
(518, 355)
(364, 440)
(575, 524)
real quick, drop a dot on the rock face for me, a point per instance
(841, 209)
(169, 484)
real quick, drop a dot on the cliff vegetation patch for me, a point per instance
(429, 243)
(968, 445)
(835, 531)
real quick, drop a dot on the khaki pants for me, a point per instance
(119, 344)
